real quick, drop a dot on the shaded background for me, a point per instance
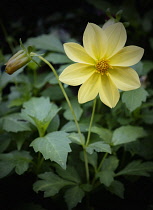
(24, 19)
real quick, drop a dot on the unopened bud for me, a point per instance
(20, 59)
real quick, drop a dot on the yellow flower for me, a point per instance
(102, 64)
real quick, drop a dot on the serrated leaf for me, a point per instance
(103, 133)
(40, 112)
(117, 188)
(53, 146)
(15, 123)
(17, 159)
(134, 98)
(126, 134)
(98, 147)
(77, 110)
(69, 174)
(73, 196)
(50, 183)
(138, 168)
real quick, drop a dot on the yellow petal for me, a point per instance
(124, 78)
(77, 53)
(108, 92)
(76, 74)
(116, 35)
(89, 90)
(95, 41)
(128, 56)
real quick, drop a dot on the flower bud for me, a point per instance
(20, 59)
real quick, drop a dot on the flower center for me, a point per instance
(102, 67)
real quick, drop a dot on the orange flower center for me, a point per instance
(102, 67)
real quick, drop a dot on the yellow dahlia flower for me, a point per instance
(102, 64)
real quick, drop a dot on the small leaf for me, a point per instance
(75, 138)
(50, 183)
(107, 174)
(106, 177)
(40, 112)
(104, 133)
(117, 188)
(137, 168)
(126, 134)
(73, 196)
(134, 98)
(15, 123)
(53, 146)
(17, 159)
(98, 147)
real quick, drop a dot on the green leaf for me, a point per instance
(126, 134)
(15, 123)
(53, 146)
(103, 133)
(134, 98)
(107, 174)
(71, 127)
(17, 159)
(106, 177)
(76, 107)
(4, 141)
(57, 58)
(73, 196)
(69, 174)
(50, 183)
(98, 147)
(137, 168)
(46, 42)
(110, 163)
(117, 188)
(75, 138)
(40, 112)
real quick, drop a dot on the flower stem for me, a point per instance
(91, 121)
(64, 93)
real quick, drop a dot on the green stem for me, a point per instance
(86, 165)
(64, 93)
(99, 167)
(102, 161)
(91, 121)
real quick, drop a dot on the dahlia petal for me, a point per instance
(128, 56)
(108, 92)
(95, 41)
(76, 74)
(124, 78)
(77, 53)
(116, 35)
(89, 90)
